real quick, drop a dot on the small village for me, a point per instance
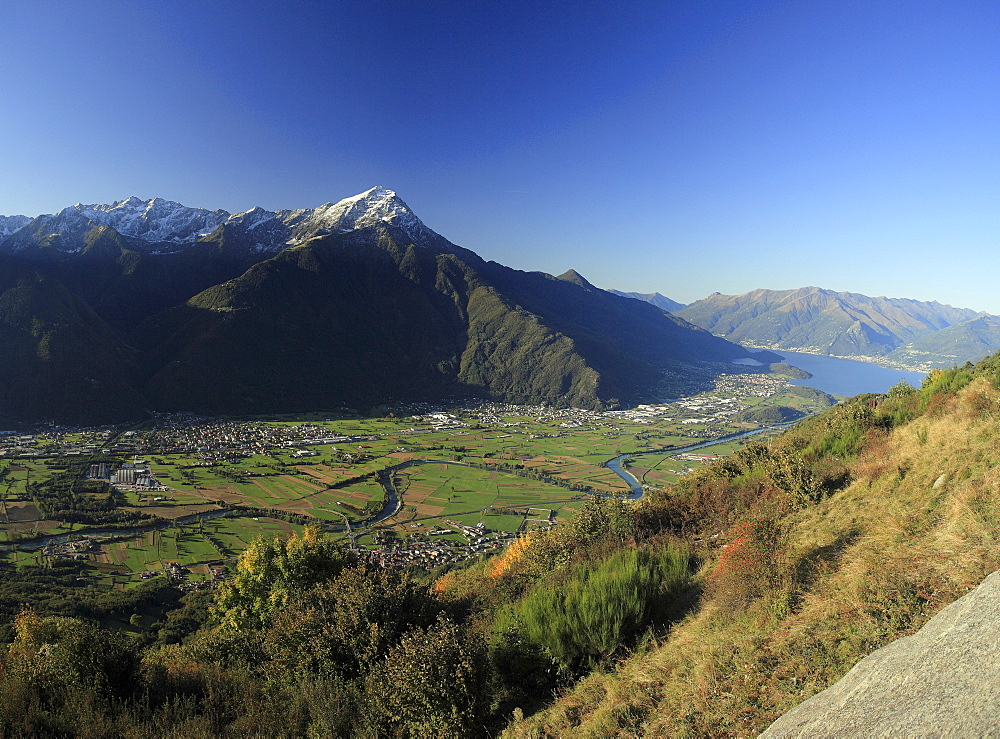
(215, 440)
(418, 550)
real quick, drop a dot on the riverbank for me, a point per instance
(615, 465)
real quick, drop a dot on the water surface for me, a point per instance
(847, 376)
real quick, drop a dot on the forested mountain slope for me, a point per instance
(59, 359)
(354, 303)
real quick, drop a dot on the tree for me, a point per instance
(434, 683)
(56, 655)
(602, 520)
(346, 625)
(270, 572)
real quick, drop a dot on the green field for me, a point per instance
(665, 469)
(506, 461)
(208, 541)
(439, 492)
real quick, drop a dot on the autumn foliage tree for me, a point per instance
(270, 572)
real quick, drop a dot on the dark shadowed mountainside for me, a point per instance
(60, 360)
(352, 303)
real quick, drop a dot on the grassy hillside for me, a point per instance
(794, 595)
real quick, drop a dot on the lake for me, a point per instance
(847, 376)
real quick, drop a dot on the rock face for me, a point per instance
(942, 681)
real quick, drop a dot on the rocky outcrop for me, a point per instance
(943, 681)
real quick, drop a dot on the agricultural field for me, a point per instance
(275, 481)
(15, 474)
(500, 500)
(501, 467)
(193, 546)
(665, 469)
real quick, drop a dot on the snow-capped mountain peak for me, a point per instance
(370, 208)
(154, 220)
(252, 218)
(171, 226)
(10, 224)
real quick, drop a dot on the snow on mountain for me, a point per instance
(155, 220)
(252, 218)
(171, 225)
(369, 208)
(10, 224)
(261, 230)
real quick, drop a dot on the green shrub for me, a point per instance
(433, 683)
(600, 608)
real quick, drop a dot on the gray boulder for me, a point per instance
(943, 681)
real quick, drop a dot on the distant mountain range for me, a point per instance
(110, 311)
(909, 333)
(660, 301)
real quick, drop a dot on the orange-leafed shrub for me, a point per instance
(503, 562)
(443, 583)
(751, 564)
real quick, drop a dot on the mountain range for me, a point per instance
(660, 301)
(907, 333)
(112, 311)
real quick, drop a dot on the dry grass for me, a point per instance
(918, 527)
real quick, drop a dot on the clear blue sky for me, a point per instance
(679, 147)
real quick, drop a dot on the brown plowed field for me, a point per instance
(23, 512)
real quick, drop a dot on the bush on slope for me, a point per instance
(917, 526)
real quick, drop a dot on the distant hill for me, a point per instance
(660, 301)
(964, 342)
(155, 305)
(844, 324)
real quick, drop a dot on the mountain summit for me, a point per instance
(166, 226)
(374, 207)
(352, 303)
(370, 208)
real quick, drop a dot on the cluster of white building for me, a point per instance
(135, 475)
